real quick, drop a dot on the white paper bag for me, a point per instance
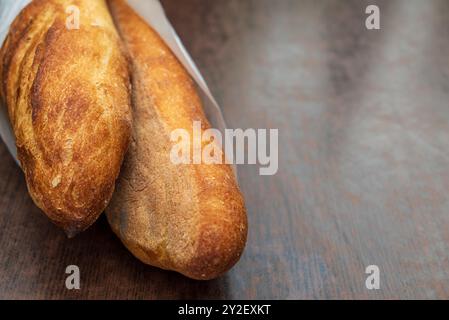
(153, 13)
(9, 9)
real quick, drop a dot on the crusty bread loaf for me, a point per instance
(189, 218)
(67, 92)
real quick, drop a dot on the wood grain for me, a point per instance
(364, 160)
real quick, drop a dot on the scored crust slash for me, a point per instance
(84, 129)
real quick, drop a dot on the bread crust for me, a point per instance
(67, 93)
(189, 218)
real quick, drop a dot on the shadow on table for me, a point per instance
(35, 255)
(125, 276)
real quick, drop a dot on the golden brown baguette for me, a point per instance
(186, 218)
(67, 92)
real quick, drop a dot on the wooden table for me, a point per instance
(363, 118)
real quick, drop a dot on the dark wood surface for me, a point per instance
(364, 160)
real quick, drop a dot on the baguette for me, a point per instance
(67, 93)
(189, 218)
